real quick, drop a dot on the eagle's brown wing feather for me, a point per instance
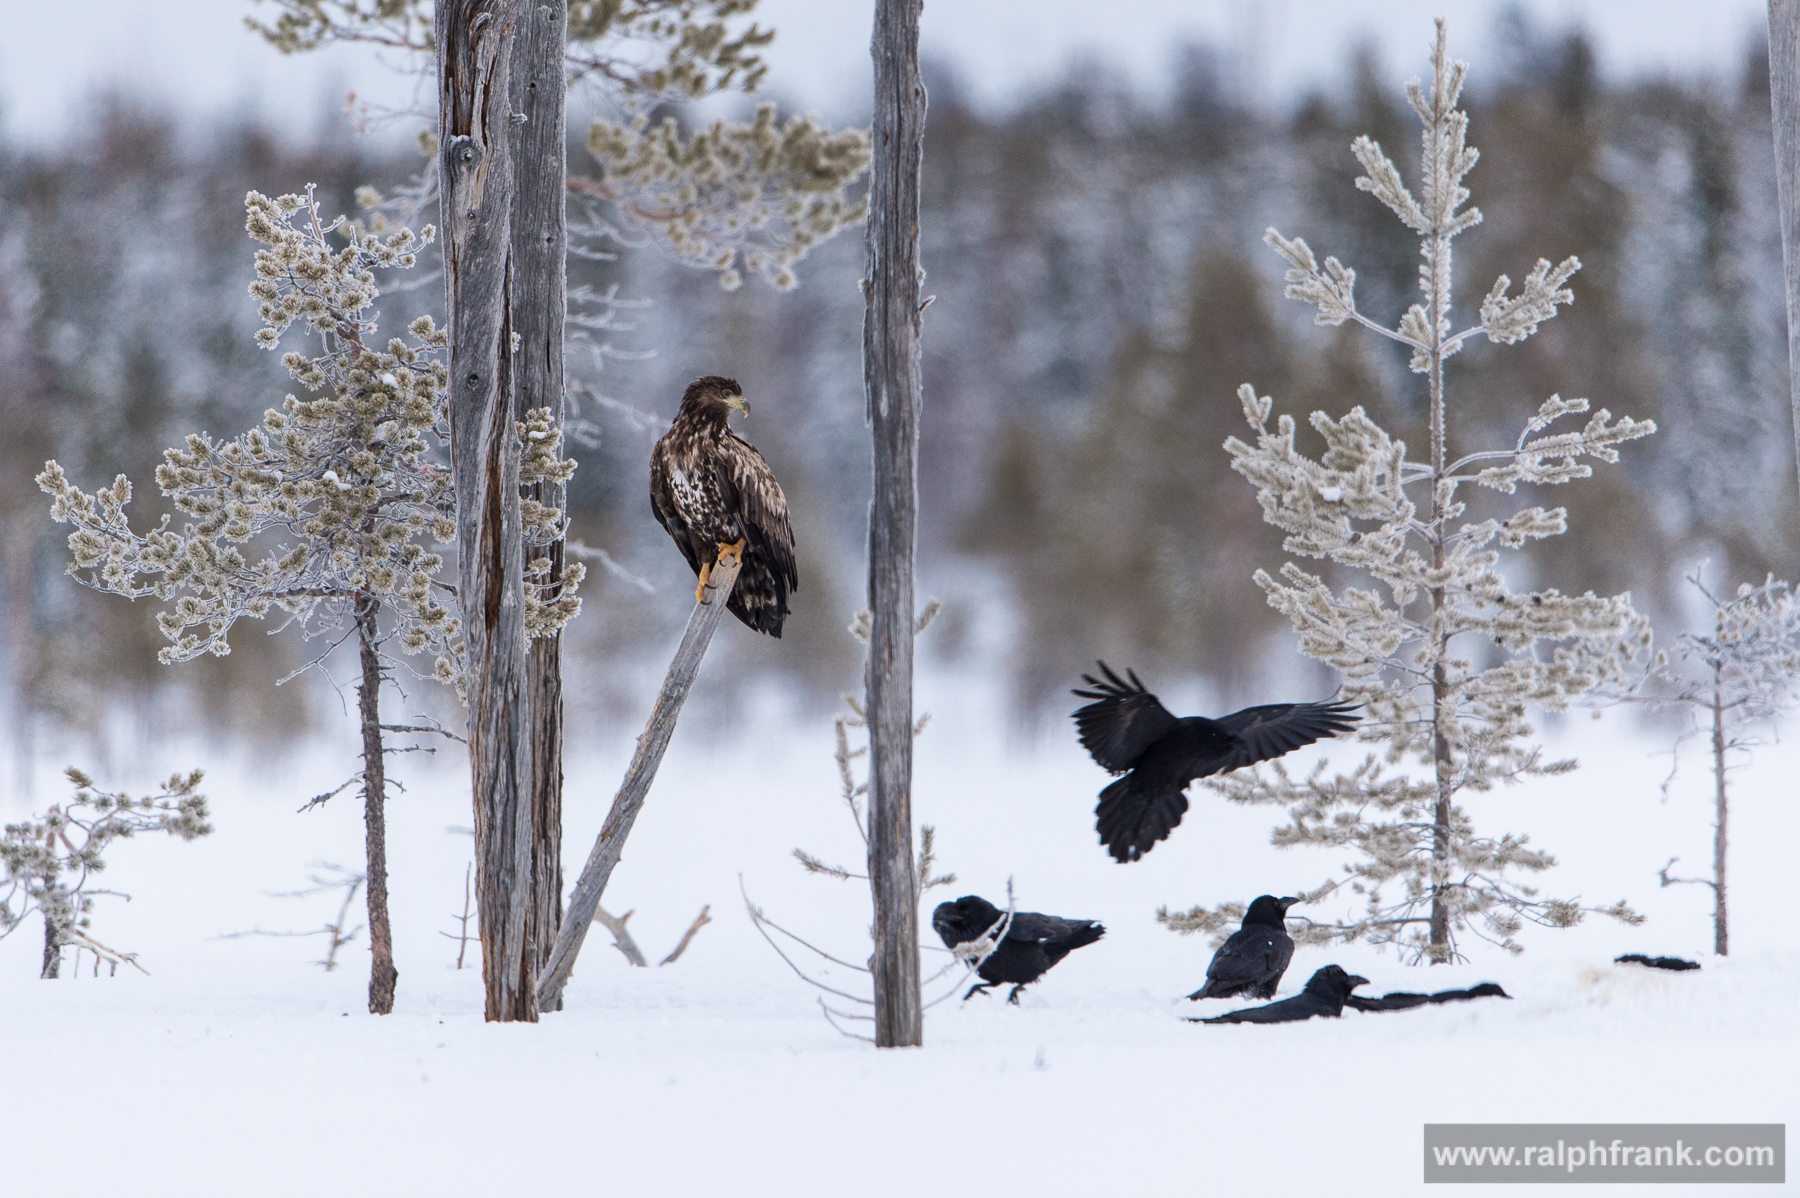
(751, 492)
(663, 505)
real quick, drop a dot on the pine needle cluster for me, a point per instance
(735, 197)
(756, 195)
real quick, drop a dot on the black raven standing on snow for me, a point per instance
(1032, 944)
(1325, 994)
(1129, 732)
(1252, 961)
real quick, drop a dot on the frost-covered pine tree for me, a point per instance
(734, 197)
(322, 515)
(1742, 673)
(1444, 656)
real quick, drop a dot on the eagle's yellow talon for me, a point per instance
(700, 587)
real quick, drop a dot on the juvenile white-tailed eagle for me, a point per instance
(1128, 731)
(711, 490)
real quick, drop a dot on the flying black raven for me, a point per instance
(1325, 994)
(1129, 732)
(1252, 961)
(1403, 1000)
(1032, 944)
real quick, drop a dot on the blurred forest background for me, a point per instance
(1101, 291)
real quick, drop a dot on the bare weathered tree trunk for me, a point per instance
(1784, 98)
(892, 379)
(1721, 937)
(474, 39)
(609, 846)
(382, 974)
(539, 303)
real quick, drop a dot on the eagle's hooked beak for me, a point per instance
(738, 403)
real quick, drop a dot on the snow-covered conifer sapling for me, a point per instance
(1444, 656)
(47, 862)
(321, 515)
(1742, 673)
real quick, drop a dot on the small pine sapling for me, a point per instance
(1742, 673)
(47, 862)
(1443, 655)
(320, 515)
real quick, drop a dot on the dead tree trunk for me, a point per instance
(1784, 98)
(892, 380)
(590, 887)
(539, 303)
(382, 974)
(474, 39)
(1721, 936)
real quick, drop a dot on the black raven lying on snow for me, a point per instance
(1403, 1000)
(1675, 963)
(1032, 944)
(1325, 994)
(1252, 961)
(1129, 732)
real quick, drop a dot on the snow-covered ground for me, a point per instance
(240, 1068)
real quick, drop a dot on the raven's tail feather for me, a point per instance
(1130, 821)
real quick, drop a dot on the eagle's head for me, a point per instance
(714, 397)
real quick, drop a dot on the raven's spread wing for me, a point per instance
(754, 496)
(1052, 930)
(1125, 720)
(1264, 732)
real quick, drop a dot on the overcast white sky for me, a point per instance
(196, 52)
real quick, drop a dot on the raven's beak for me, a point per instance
(1290, 901)
(1358, 981)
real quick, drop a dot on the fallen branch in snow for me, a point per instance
(621, 935)
(700, 921)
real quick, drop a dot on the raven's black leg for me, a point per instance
(978, 987)
(1013, 998)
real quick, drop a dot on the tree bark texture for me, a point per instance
(538, 302)
(52, 964)
(1721, 937)
(891, 376)
(382, 974)
(590, 887)
(474, 39)
(1784, 98)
